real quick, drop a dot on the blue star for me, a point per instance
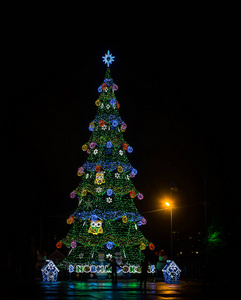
(108, 58)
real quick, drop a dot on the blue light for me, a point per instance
(109, 245)
(129, 149)
(114, 123)
(50, 271)
(171, 272)
(109, 192)
(108, 58)
(109, 144)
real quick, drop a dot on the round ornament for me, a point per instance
(97, 168)
(115, 87)
(132, 194)
(97, 102)
(59, 245)
(143, 221)
(70, 220)
(109, 144)
(129, 149)
(125, 146)
(73, 244)
(84, 147)
(114, 123)
(84, 192)
(109, 245)
(151, 246)
(124, 219)
(140, 196)
(101, 123)
(123, 127)
(72, 195)
(92, 145)
(109, 192)
(120, 169)
(112, 101)
(118, 105)
(142, 246)
(81, 170)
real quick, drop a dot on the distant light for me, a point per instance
(167, 204)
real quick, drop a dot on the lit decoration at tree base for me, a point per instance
(50, 271)
(171, 272)
(94, 268)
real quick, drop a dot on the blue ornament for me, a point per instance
(134, 171)
(94, 218)
(108, 58)
(114, 123)
(112, 101)
(109, 144)
(129, 149)
(100, 89)
(109, 192)
(109, 245)
(91, 128)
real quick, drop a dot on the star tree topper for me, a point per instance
(108, 58)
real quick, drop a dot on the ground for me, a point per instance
(190, 290)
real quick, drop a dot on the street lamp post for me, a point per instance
(169, 205)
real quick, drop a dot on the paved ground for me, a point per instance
(106, 291)
(189, 290)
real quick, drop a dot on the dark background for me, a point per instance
(175, 96)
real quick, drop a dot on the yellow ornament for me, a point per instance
(95, 227)
(99, 178)
(124, 219)
(142, 246)
(92, 125)
(97, 102)
(84, 147)
(79, 174)
(84, 192)
(119, 169)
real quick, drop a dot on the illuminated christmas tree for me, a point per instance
(106, 223)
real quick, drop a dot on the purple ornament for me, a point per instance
(81, 170)
(72, 195)
(143, 221)
(92, 145)
(123, 126)
(115, 87)
(140, 196)
(73, 244)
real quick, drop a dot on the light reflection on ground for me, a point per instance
(120, 291)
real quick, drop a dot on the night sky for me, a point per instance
(174, 98)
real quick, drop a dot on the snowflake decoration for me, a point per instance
(121, 152)
(109, 199)
(98, 190)
(108, 58)
(108, 256)
(95, 151)
(104, 127)
(117, 175)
